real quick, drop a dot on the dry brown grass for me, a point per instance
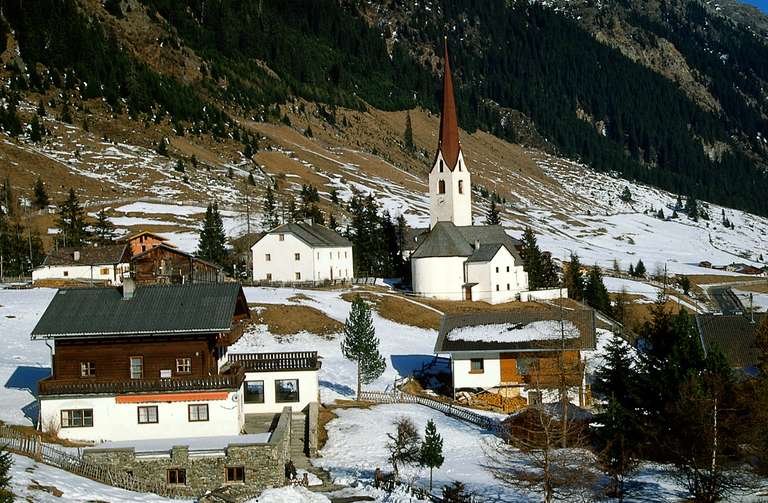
(464, 307)
(637, 314)
(290, 320)
(399, 310)
(299, 297)
(757, 287)
(708, 279)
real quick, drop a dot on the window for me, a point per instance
(281, 237)
(330, 255)
(497, 287)
(507, 268)
(183, 365)
(461, 186)
(507, 286)
(525, 364)
(345, 254)
(269, 276)
(497, 269)
(286, 390)
(77, 418)
(143, 248)
(66, 273)
(267, 257)
(459, 170)
(254, 392)
(176, 476)
(297, 256)
(441, 165)
(476, 366)
(87, 369)
(534, 398)
(137, 367)
(338, 254)
(235, 474)
(104, 271)
(298, 276)
(148, 414)
(441, 187)
(198, 412)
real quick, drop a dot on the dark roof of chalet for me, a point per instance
(173, 249)
(153, 310)
(449, 240)
(90, 255)
(734, 335)
(315, 235)
(583, 319)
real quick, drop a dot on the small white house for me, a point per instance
(302, 252)
(516, 352)
(98, 264)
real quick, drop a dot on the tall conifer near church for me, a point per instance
(212, 237)
(360, 344)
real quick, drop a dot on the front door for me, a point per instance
(509, 368)
(468, 293)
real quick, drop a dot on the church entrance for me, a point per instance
(468, 293)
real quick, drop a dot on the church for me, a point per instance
(456, 260)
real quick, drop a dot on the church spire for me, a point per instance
(448, 143)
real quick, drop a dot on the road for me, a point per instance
(726, 300)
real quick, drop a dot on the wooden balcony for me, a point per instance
(230, 381)
(275, 362)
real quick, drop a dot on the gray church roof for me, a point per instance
(448, 240)
(314, 235)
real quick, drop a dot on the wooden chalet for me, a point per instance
(165, 264)
(131, 338)
(143, 241)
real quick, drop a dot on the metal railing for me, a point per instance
(270, 362)
(51, 386)
(32, 446)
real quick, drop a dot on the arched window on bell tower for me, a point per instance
(441, 165)
(441, 187)
(461, 186)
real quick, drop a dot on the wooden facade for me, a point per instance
(165, 264)
(110, 359)
(144, 241)
(543, 368)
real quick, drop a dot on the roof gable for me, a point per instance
(314, 235)
(153, 310)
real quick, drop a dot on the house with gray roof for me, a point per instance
(102, 265)
(300, 252)
(733, 336)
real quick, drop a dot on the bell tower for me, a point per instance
(450, 190)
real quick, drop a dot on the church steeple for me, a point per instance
(448, 143)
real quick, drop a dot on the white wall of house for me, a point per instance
(308, 391)
(276, 260)
(119, 421)
(102, 273)
(549, 294)
(507, 279)
(463, 377)
(438, 277)
(454, 205)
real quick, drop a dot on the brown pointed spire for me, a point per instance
(449, 128)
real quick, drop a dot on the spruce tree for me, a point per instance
(631, 270)
(269, 216)
(640, 269)
(408, 135)
(103, 229)
(692, 208)
(36, 131)
(162, 147)
(212, 237)
(431, 450)
(492, 217)
(574, 281)
(761, 343)
(6, 461)
(332, 223)
(40, 198)
(361, 345)
(532, 262)
(179, 166)
(595, 293)
(626, 195)
(71, 222)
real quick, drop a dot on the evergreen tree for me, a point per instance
(334, 196)
(6, 461)
(574, 281)
(431, 450)
(408, 135)
(640, 269)
(162, 147)
(761, 343)
(103, 229)
(660, 214)
(179, 166)
(456, 493)
(36, 131)
(361, 345)
(230, 173)
(40, 108)
(595, 293)
(626, 195)
(270, 219)
(251, 179)
(71, 222)
(332, 223)
(66, 115)
(532, 260)
(492, 217)
(685, 283)
(692, 208)
(308, 132)
(212, 237)
(40, 198)
(631, 270)
(678, 204)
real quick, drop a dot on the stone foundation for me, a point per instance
(205, 470)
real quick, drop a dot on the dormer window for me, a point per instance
(441, 186)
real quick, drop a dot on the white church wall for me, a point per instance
(438, 277)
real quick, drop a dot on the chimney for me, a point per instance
(129, 288)
(76, 255)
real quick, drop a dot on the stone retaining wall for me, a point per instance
(264, 463)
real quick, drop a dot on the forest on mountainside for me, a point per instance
(520, 56)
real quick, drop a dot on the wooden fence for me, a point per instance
(448, 409)
(32, 446)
